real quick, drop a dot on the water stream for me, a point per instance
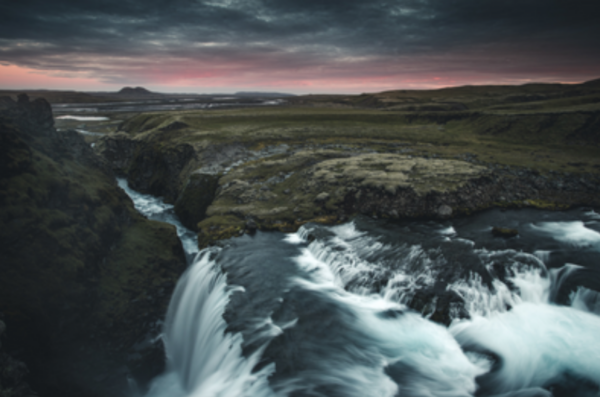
(327, 311)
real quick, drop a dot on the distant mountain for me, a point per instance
(137, 91)
(263, 94)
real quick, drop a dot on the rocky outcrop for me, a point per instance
(311, 184)
(84, 279)
(197, 195)
(150, 166)
(158, 170)
(328, 186)
(119, 151)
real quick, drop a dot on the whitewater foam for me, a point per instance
(203, 359)
(573, 233)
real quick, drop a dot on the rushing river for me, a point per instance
(325, 311)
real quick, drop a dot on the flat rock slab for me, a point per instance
(393, 171)
(309, 184)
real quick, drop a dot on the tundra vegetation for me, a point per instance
(397, 154)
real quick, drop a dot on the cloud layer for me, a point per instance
(303, 43)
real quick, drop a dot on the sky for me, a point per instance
(295, 46)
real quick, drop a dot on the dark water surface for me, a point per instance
(327, 311)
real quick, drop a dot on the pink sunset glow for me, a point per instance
(203, 78)
(14, 78)
(295, 46)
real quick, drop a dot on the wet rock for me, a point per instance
(504, 232)
(251, 226)
(444, 211)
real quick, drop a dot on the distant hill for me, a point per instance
(137, 91)
(595, 82)
(528, 97)
(263, 94)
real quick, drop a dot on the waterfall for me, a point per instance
(339, 321)
(203, 359)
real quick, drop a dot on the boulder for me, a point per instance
(322, 197)
(444, 211)
(197, 195)
(504, 232)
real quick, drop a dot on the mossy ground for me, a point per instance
(548, 128)
(540, 141)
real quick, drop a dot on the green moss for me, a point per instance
(147, 258)
(546, 205)
(219, 227)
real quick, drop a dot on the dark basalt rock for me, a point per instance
(197, 195)
(118, 150)
(13, 373)
(150, 167)
(157, 170)
(504, 232)
(80, 269)
(251, 226)
(35, 116)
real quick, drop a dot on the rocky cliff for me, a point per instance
(85, 280)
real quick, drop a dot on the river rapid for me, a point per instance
(327, 311)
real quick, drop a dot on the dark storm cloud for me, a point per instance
(95, 36)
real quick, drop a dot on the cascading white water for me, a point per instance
(202, 359)
(535, 343)
(586, 300)
(364, 341)
(429, 359)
